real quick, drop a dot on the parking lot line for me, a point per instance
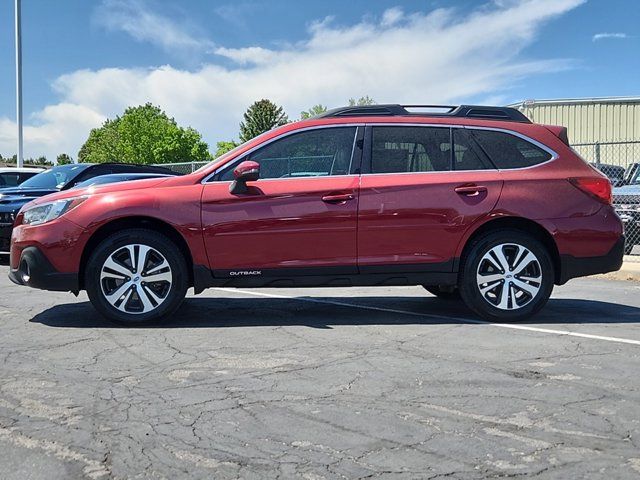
(511, 326)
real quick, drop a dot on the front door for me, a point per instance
(423, 186)
(299, 218)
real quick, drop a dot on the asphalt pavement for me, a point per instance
(321, 383)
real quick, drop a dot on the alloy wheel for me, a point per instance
(136, 279)
(509, 276)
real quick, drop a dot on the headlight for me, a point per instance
(43, 213)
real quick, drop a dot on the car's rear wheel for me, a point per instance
(443, 292)
(506, 276)
(136, 276)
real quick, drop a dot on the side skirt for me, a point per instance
(378, 275)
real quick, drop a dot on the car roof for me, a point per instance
(505, 114)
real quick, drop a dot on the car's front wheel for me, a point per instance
(136, 276)
(506, 276)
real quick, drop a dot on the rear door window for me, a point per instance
(410, 149)
(508, 151)
(466, 154)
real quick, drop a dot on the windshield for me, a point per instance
(54, 179)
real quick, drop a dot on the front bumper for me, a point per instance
(572, 267)
(34, 270)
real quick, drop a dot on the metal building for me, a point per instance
(603, 130)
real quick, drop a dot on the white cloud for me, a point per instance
(135, 18)
(391, 16)
(608, 36)
(438, 56)
(248, 55)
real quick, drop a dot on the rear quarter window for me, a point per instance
(509, 151)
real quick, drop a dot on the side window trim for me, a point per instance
(355, 161)
(368, 145)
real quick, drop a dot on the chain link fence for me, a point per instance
(184, 167)
(620, 161)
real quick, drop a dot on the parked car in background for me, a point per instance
(12, 176)
(615, 173)
(120, 177)
(471, 202)
(626, 201)
(57, 179)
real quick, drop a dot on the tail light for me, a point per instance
(598, 188)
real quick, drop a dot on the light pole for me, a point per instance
(19, 82)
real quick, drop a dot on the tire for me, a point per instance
(123, 294)
(443, 293)
(531, 284)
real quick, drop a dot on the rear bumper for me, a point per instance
(34, 270)
(573, 267)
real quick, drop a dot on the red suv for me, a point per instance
(470, 202)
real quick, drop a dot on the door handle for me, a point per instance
(338, 198)
(470, 190)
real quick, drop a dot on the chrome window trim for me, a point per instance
(284, 135)
(553, 153)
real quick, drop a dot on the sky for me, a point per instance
(205, 61)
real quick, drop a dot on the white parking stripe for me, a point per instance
(426, 315)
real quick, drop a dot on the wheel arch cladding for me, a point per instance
(523, 225)
(148, 223)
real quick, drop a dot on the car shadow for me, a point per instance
(326, 312)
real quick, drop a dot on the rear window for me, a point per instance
(508, 151)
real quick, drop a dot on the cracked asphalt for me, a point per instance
(336, 383)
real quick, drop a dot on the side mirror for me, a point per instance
(247, 171)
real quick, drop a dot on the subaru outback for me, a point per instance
(476, 203)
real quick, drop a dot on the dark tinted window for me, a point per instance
(410, 149)
(509, 151)
(314, 153)
(466, 155)
(12, 179)
(55, 178)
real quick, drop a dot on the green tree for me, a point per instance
(63, 159)
(313, 111)
(261, 117)
(224, 147)
(362, 101)
(144, 134)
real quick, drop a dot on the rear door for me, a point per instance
(299, 218)
(421, 189)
